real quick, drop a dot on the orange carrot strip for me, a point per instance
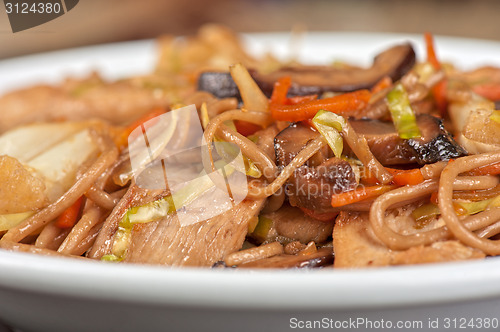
(406, 177)
(280, 90)
(360, 194)
(344, 104)
(246, 128)
(493, 169)
(434, 198)
(68, 218)
(431, 51)
(488, 90)
(300, 99)
(384, 83)
(123, 140)
(439, 90)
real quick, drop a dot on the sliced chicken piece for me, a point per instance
(355, 244)
(480, 134)
(118, 103)
(169, 241)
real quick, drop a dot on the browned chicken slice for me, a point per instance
(169, 242)
(118, 103)
(355, 245)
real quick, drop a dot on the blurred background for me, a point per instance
(103, 21)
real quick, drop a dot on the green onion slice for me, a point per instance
(403, 116)
(330, 125)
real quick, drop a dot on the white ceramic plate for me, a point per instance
(49, 294)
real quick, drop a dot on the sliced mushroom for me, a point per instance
(313, 184)
(394, 62)
(434, 145)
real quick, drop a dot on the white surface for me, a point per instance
(40, 293)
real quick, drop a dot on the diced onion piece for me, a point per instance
(330, 125)
(402, 114)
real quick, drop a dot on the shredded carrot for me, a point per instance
(400, 177)
(280, 90)
(492, 169)
(360, 194)
(367, 177)
(246, 128)
(406, 177)
(384, 83)
(431, 51)
(488, 90)
(345, 104)
(434, 198)
(329, 216)
(439, 90)
(300, 99)
(123, 139)
(69, 216)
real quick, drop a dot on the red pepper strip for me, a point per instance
(246, 128)
(488, 90)
(329, 216)
(68, 218)
(300, 99)
(439, 90)
(406, 177)
(344, 104)
(493, 169)
(280, 90)
(360, 194)
(384, 83)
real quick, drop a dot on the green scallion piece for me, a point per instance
(402, 114)
(330, 125)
